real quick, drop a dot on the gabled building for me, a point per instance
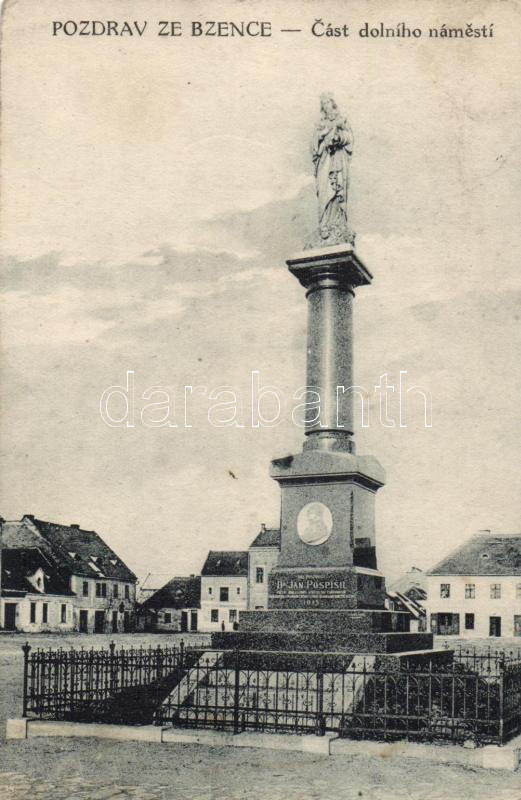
(408, 594)
(35, 595)
(174, 607)
(102, 586)
(224, 589)
(476, 591)
(263, 555)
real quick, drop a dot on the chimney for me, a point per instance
(29, 516)
(263, 527)
(74, 525)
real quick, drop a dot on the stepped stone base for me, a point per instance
(336, 620)
(333, 641)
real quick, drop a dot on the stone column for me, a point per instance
(330, 276)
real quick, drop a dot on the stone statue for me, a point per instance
(332, 151)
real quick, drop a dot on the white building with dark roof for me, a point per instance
(35, 596)
(263, 555)
(174, 607)
(224, 589)
(476, 591)
(103, 588)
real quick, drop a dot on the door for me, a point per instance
(114, 622)
(495, 626)
(517, 625)
(193, 620)
(126, 621)
(84, 621)
(99, 621)
(10, 616)
(184, 621)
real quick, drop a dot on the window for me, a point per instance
(259, 575)
(85, 588)
(45, 612)
(233, 615)
(127, 592)
(101, 590)
(214, 615)
(33, 612)
(115, 590)
(238, 589)
(39, 582)
(63, 613)
(209, 590)
(518, 591)
(224, 594)
(470, 591)
(469, 622)
(445, 590)
(495, 591)
(168, 618)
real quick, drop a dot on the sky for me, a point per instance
(153, 189)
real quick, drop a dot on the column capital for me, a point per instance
(329, 267)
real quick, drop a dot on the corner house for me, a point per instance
(476, 591)
(224, 589)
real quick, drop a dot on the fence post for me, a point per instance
(501, 706)
(320, 724)
(112, 666)
(236, 692)
(26, 650)
(182, 654)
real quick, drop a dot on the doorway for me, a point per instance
(84, 621)
(10, 616)
(114, 622)
(184, 621)
(495, 626)
(99, 621)
(193, 620)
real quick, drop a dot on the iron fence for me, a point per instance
(349, 695)
(475, 697)
(98, 685)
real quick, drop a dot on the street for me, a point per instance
(59, 769)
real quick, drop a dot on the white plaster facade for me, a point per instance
(261, 561)
(39, 613)
(486, 597)
(215, 610)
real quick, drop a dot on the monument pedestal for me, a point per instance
(326, 593)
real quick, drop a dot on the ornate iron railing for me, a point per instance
(122, 685)
(477, 697)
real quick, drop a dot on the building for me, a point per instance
(263, 555)
(476, 591)
(408, 594)
(151, 584)
(174, 607)
(224, 589)
(102, 588)
(36, 598)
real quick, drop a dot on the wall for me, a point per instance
(54, 604)
(482, 606)
(210, 600)
(107, 604)
(266, 557)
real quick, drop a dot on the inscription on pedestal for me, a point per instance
(311, 590)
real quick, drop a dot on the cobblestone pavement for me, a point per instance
(94, 770)
(89, 769)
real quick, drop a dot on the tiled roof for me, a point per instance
(21, 563)
(177, 593)
(226, 562)
(78, 551)
(268, 537)
(483, 554)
